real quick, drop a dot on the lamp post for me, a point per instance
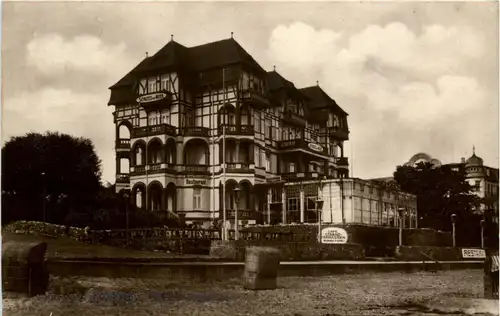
(453, 221)
(44, 193)
(401, 213)
(236, 200)
(482, 233)
(319, 208)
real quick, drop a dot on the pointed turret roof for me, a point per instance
(320, 100)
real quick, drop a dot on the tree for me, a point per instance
(440, 192)
(48, 171)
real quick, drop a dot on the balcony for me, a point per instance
(236, 130)
(122, 143)
(238, 167)
(255, 99)
(243, 215)
(292, 118)
(302, 144)
(152, 130)
(154, 168)
(338, 133)
(122, 178)
(299, 176)
(341, 161)
(195, 169)
(195, 131)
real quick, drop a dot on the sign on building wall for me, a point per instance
(196, 181)
(153, 97)
(333, 235)
(473, 253)
(315, 147)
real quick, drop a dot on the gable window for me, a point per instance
(197, 198)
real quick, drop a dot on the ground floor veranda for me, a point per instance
(199, 200)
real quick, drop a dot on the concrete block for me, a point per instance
(24, 268)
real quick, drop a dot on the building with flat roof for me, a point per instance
(349, 200)
(194, 123)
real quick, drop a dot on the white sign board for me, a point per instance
(151, 97)
(333, 235)
(473, 253)
(315, 147)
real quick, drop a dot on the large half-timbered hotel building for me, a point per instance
(174, 110)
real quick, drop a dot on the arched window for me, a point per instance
(138, 156)
(138, 198)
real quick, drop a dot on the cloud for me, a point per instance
(53, 55)
(62, 110)
(397, 85)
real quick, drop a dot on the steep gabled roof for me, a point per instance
(320, 100)
(129, 78)
(218, 54)
(171, 55)
(275, 81)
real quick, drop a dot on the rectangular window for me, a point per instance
(293, 204)
(291, 167)
(197, 198)
(268, 163)
(311, 204)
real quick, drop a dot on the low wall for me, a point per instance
(377, 241)
(290, 251)
(421, 253)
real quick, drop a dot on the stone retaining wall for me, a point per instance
(290, 251)
(414, 253)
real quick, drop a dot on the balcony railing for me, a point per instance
(255, 99)
(246, 130)
(239, 166)
(294, 118)
(341, 161)
(123, 143)
(153, 130)
(228, 129)
(195, 168)
(122, 178)
(338, 132)
(301, 176)
(196, 131)
(302, 144)
(154, 167)
(242, 214)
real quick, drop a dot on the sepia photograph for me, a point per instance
(273, 158)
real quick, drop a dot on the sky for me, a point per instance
(413, 76)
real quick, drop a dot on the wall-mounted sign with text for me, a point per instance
(473, 253)
(315, 147)
(333, 235)
(153, 97)
(196, 181)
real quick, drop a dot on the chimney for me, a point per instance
(146, 54)
(463, 160)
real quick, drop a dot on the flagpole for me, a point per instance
(224, 153)
(213, 155)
